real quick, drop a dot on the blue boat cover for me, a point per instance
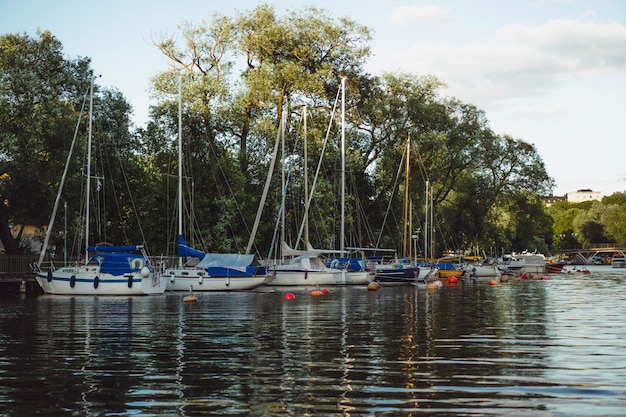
(119, 263)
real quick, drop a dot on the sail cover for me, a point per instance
(225, 260)
(184, 250)
(209, 260)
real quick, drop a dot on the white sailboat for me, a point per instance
(215, 271)
(111, 270)
(305, 267)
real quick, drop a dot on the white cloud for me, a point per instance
(410, 15)
(520, 60)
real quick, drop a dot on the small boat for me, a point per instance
(618, 261)
(525, 261)
(214, 271)
(553, 267)
(110, 270)
(306, 267)
(395, 271)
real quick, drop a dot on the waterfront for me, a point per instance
(527, 348)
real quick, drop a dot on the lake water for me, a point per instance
(554, 347)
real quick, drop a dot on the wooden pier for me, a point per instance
(16, 283)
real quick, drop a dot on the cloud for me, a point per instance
(409, 15)
(520, 60)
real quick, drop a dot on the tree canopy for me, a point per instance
(240, 77)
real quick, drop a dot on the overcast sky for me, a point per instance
(550, 72)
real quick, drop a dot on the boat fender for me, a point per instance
(200, 280)
(227, 281)
(49, 276)
(130, 281)
(96, 282)
(72, 281)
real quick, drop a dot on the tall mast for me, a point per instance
(426, 226)
(306, 187)
(406, 199)
(88, 190)
(343, 164)
(180, 160)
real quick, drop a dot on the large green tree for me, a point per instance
(40, 97)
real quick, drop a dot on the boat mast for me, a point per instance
(88, 190)
(343, 163)
(180, 161)
(406, 198)
(306, 187)
(426, 227)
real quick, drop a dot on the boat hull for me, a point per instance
(91, 281)
(183, 279)
(555, 267)
(397, 276)
(299, 277)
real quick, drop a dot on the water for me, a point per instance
(528, 348)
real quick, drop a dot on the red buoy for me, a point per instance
(289, 296)
(452, 280)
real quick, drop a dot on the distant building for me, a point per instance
(554, 199)
(575, 197)
(583, 195)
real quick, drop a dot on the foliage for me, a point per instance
(239, 78)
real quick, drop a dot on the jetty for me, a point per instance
(17, 277)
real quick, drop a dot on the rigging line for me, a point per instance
(61, 184)
(319, 164)
(132, 201)
(231, 192)
(393, 190)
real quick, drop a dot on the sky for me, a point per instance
(549, 72)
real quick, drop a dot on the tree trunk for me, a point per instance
(11, 246)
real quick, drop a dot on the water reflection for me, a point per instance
(536, 348)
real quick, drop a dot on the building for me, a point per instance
(581, 196)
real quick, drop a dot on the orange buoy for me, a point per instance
(453, 280)
(373, 286)
(432, 286)
(190, 299)
(316, 293)
(289, 296)
(493, 282)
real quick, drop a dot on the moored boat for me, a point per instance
(395, 271)
(111, 270)
(618, 261)
(214, 271)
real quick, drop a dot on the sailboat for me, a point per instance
(215, 271)
(306, 267)
(106, 270)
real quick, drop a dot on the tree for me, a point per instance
(615, 223)
(39, 103)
